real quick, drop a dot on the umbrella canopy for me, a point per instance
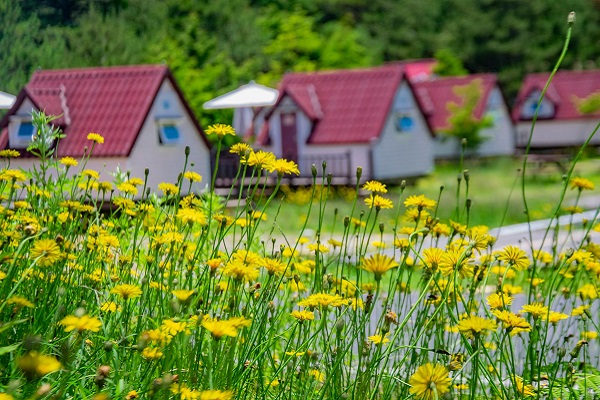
(249, 95)
(6, 101)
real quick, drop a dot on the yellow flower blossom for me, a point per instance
(80, 324)
(95, 137)
(127, 291)
(430, 381)
(378, 202)
(34, 364)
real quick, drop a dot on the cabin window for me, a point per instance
(405, 123)
(530, 104)
(21, 132)
(168, 131)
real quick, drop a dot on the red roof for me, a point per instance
(348, 106)
(111, 101)
(419, 70)
(566, 86)
(435, 94)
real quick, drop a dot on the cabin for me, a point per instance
(434, 95)
(366, 118)
(562, 120)
(139, 110)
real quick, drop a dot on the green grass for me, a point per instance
(494, 190)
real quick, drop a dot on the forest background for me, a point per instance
(213, 46)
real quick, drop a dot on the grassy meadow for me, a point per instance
(179, 297)
(495, 194)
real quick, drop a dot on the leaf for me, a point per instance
(9, 349)
(10, 324)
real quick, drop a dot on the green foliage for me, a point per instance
(448, 64)
(463, 124)
(215, 46)
(588, 105)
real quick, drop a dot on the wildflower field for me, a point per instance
(114, 290)
(169, 296)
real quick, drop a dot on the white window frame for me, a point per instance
(14, 140)
(161, 123)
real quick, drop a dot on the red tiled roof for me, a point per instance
(348, 106)
(112, 101)
(419, 70)
(566, 86)
(435, 94)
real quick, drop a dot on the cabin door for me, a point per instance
(289, 137)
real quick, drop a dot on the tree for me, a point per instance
(447, 64)
(462, 120)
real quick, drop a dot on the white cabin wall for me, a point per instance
(398, 154)
(551, 133)
(165, 162)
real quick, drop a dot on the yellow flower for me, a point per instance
(512, 322)
(525, 390)
(109, 306)
(168, 188)
(183, 295)
(589, 335)
(378, 339)
(379, 264)
(220, 130)
(13, 175)
(192, 176)
(378, 202)
(35, 364)
(80, 324)
(240, 149)
(20, 301)
(283, 166)
(91, 173)
(132, 394)
(429, 382)
(152, 353)
(536, 310)
(45, 251)
(6, 396)
(587, 292)
(323, 300)
(221, 328)
(578, 311)
(317, 375)
(474, 326)
(127, 188)
(240, 270)
(514, 256)
(215, 395)
(581, 184)
(274, 267)
(95, 137)
(318, 247)
(127, 291)
(9, 153)
(455, 259)
(433, 258)
(260, 159)
(68, 161)
(303, 315)
(375, 186)
(499, 300)
(191, 216)
(553, 317)
(420, 201)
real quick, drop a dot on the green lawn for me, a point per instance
(494, 188)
